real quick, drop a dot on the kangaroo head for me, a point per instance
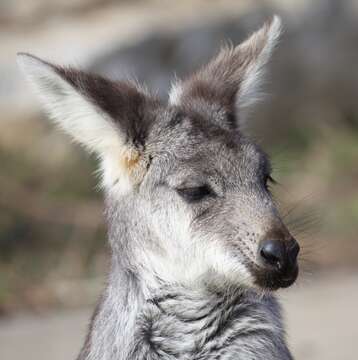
(186, 191)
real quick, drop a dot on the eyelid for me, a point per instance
(197, 193)
(194, 187)
(189, 185)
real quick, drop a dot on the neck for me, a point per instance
(130, 323)
(140, 315)
(113, 322)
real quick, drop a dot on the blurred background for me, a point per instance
(53, 252)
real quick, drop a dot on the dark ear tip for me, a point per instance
(22, 53)
(26, 61)
(29, 63)
(25, 55)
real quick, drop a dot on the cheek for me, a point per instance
(219, 229)
(213, 241)
(170, 219)
(210, 223)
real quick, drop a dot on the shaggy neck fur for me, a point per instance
(136, 320)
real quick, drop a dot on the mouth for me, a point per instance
(269, 279)
(272, 275)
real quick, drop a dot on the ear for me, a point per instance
(109, 118)
(230, 82)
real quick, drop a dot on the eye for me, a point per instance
(194, 194)
(269, 180)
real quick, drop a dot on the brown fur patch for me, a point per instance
(131, 159)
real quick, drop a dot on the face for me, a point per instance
(181, 175)
(211, 206)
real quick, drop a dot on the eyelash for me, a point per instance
(195, 194)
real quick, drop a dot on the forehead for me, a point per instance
(200, 145)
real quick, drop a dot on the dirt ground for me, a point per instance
(321, 315)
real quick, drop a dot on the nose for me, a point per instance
(279, 254)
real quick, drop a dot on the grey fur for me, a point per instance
(187, 278)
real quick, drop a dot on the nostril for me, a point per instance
(293, 250)
(272, 251)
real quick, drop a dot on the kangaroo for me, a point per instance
(197, 243)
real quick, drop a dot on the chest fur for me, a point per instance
(210, 326)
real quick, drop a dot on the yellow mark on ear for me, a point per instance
(134, 164)
(131, 158)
